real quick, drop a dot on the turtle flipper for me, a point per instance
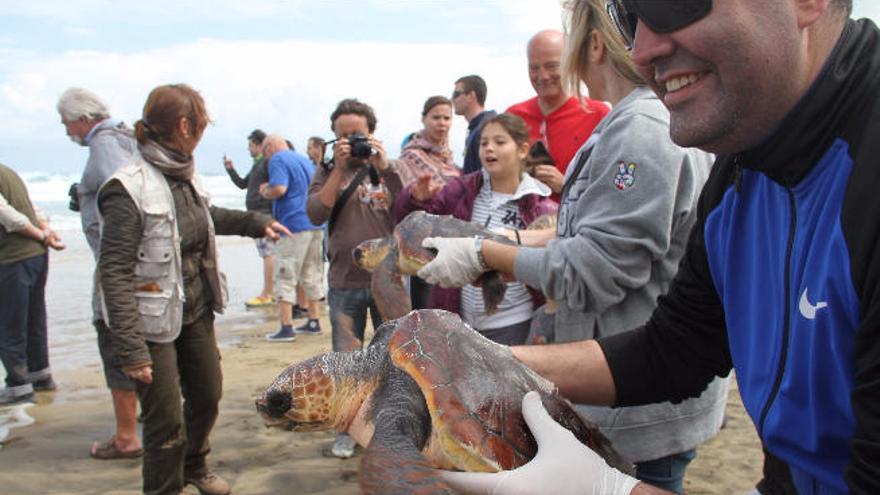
(494, 287)
(390, 471)
(388, 291)
(393, 463)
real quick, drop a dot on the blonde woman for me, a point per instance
(628, 204)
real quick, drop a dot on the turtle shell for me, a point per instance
(474, 388)
(418, 225)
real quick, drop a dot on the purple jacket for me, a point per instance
(457, 199)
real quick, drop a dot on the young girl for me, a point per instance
(500, 195)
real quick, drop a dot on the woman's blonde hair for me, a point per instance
(584, 17)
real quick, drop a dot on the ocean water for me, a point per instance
(72, 341)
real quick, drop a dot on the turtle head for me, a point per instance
(320, 393)
(301, 398)
(370, 253)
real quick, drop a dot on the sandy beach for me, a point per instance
(51, 456)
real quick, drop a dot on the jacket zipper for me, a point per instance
(786, 325)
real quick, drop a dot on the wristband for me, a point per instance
(478, 245)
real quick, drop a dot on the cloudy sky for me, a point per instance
(280, 65)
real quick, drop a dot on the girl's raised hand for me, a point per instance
(424, 188)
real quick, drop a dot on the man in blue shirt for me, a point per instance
(298, 257)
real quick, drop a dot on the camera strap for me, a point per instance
(343, 198)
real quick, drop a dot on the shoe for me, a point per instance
(45, 385)
(343, 448)
(283, 335)
(108, 450)
(312, 327)
(209, 483)
(8, 399)
(258, 302)
(299, 312)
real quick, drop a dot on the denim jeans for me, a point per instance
(348, 317)
(24, 345)
(666, 472)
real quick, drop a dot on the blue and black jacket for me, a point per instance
(781, 282)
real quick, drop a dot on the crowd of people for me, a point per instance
(720, 168)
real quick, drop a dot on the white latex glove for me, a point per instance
(562, 466)
(456, 264)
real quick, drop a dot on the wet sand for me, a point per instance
(51, 455)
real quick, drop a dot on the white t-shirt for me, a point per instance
(493, 210)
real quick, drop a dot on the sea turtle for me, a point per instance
(402, 254)
(428, 392)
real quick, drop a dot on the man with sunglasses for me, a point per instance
(780, 278)
(469, 100)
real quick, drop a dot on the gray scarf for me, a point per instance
(171, 163)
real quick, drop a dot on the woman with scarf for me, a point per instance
(427, 153)
(161, 285)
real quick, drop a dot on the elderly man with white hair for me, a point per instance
(86, 118)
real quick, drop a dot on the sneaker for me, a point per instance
(209, 483)
(299, 312)
(283, 335)
(8, 398)
(343, 448)
(312, 327)
(45, 385)
(258, 302)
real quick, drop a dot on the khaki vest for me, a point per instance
(157, 274)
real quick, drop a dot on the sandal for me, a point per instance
(108, 450)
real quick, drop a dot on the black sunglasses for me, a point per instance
(456, 93)
(662, 16)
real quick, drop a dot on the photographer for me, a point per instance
(354, 196)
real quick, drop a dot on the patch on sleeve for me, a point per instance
(625, 176)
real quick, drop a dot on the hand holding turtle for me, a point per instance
(563, 465)
(458, 261)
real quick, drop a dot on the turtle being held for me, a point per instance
(389, 258)
(429, 392)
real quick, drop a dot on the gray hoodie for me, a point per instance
(111, 144)
(622, 230)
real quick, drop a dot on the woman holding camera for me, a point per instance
(161, 285)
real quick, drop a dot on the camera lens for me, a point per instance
(360, 145)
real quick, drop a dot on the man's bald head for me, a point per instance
(544, 52)
(273, 144)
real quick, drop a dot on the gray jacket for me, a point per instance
(622, 230)
(111, 145)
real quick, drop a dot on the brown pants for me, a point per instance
(176, 441)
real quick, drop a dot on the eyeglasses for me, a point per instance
(662, 16)
(456, 93)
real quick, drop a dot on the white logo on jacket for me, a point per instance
(809, 310)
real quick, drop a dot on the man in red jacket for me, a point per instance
(557, 119)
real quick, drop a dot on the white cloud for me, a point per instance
(289, 87)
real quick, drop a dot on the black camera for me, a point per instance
(360, 145)
(74, 197)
